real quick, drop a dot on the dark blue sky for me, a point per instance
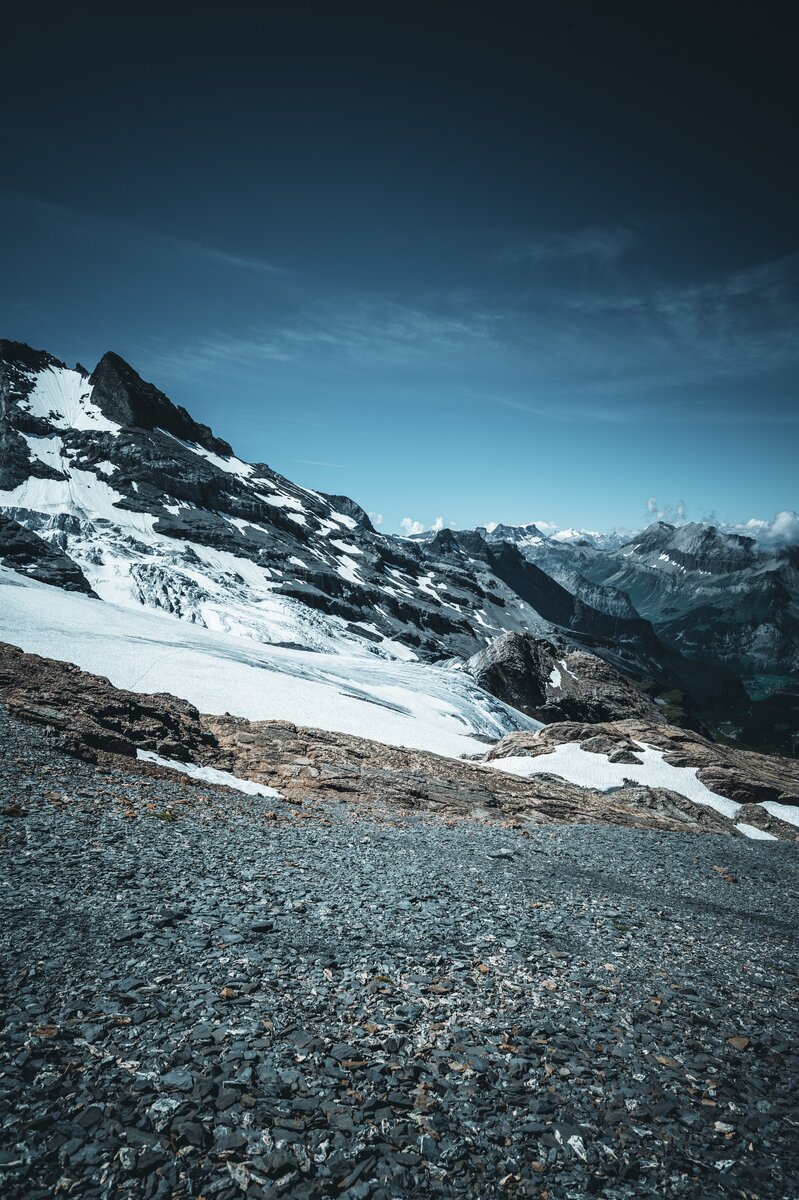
(505, 262)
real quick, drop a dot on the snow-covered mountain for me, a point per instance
(107, 487)
(156, 511)
(717, 598)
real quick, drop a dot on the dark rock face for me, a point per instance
(123, 396)
(84, 714)
(551, 685)
(756, 630)
(18, 367)
(726, 606)
(21, 549)
(697, 547)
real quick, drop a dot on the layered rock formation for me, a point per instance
(741, 776)
(85, 715)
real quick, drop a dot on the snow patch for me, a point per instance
(758, 835)
(64, 398)
(570, 762)
(210, 775)
(281, 500)
(48, 450)
(231, 465)
(344, 520)
(348, 569)
(783, 812)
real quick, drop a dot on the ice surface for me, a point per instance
(82, 494)
(351, 691)
(48, 450)
(210, 775)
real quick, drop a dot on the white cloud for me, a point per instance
(437, 524)
(673, 514)
(409, 526)
(376, 518)
(783, 530)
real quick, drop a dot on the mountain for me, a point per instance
(712, 594)
(716, 598)
(155, 511)
(109, 489)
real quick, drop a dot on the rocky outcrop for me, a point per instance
(123, 396)
(30, 555)
(85, 715)
(350, 508)
(743, 776)
(88, 717)
(550, 684)
(310, 765)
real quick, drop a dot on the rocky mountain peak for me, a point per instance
(659, 533)
(124, 397)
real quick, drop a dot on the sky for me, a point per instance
(465, 263)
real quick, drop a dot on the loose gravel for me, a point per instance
(207, 994)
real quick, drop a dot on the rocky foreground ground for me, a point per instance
(87, 716)
(208, 994)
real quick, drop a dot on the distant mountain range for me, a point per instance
(109, 489)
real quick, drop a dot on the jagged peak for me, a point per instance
(123, 396)
(25, 357)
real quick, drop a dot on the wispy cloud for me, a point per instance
(224, 258)
(315, 462)
(595, 244)
(356, 332)
(744, 320)
(611, 346)
(94, 224)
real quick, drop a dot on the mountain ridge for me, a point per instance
(153, 510)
